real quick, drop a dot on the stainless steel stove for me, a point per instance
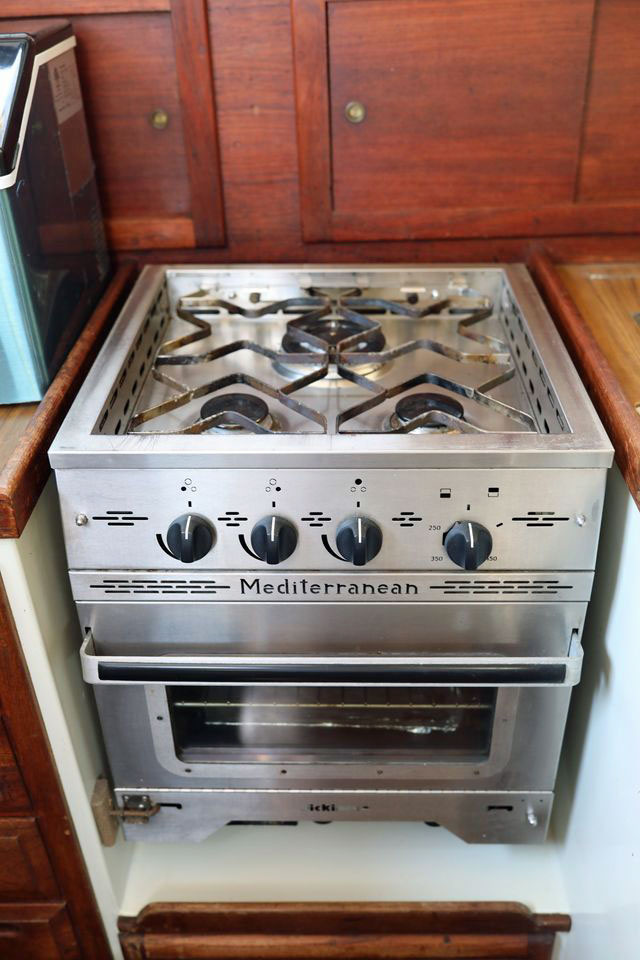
(331, 533)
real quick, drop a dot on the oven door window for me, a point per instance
(316, 724)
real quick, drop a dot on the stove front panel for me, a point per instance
(538, 520)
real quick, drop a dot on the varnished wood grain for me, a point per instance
(328, 931)
(25, 870)
(150, 233)
(609, 168)
(199, 124)
(470, 106)
(68, 8)
(37, 931)
(608, 297)
(14, 418)
(13, 796)
(26, 468)
(31, 748)
(619, 417)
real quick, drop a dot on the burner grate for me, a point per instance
(337, 338)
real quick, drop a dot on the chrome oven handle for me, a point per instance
(334, 671)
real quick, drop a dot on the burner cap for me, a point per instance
(416, 404)
(333, 330)
(250, 406)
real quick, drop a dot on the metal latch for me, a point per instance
(137, 808)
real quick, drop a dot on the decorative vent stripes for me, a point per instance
(232, 518)
(316, 518)
(540, 518)
(120, 518)
(146, 586)
(407, 518)
(503, 587)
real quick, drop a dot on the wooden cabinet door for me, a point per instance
(25, 871)
(146, 76)
(33, 931)
(13, 795)
(468, 118)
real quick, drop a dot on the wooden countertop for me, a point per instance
(597, 310)
(26, 430)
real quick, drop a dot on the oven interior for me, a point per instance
(327, 724)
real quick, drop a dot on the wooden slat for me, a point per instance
(72, 8)
(145, 233)
(26, 469)
(336, 931)
(312, 116)
(620, 419)
(197, 97)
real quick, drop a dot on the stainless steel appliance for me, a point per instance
(331, 532)
(53, 259)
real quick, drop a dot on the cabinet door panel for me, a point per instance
(472, 119)
(31, 931)
(146, 76)
(25, 871)
(610, 167)
(467, 104)
(13, 796)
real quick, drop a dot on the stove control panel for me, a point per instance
(331, 520)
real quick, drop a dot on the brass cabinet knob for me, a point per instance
(159, 119)
(355, 111)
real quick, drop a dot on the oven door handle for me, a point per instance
(334, 671)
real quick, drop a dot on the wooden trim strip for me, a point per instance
(72, 8)
(311, 72)
(618, 416)
(197, 96)
(150, 233)
(31, 747)
(26, 471)
(332, 931)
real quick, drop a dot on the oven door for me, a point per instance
(440, 723)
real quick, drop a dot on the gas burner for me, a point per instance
(332, 331)
(330, 335)
(418, 405)
(227, 411)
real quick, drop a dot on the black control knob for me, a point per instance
(358, 540)
(468, 544)
(190, 537)
(274, 539)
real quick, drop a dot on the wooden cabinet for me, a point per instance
(25, 871)
(33, 931)
(13, 796)
(146, 76)
(469, 117)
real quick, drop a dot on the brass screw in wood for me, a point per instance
(355, 111)
(159, 119)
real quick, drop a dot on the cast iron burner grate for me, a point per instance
(337, 336)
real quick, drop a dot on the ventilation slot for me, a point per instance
(135, 585)
(540, 518)
(315, 519)
(502, 587)
(120, 518)
(407, 518)
(232, 518)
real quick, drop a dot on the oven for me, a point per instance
(211, 738)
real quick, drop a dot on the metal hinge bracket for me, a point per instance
(137, 808)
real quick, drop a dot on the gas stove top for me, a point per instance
(312, 359)
(392, 358)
